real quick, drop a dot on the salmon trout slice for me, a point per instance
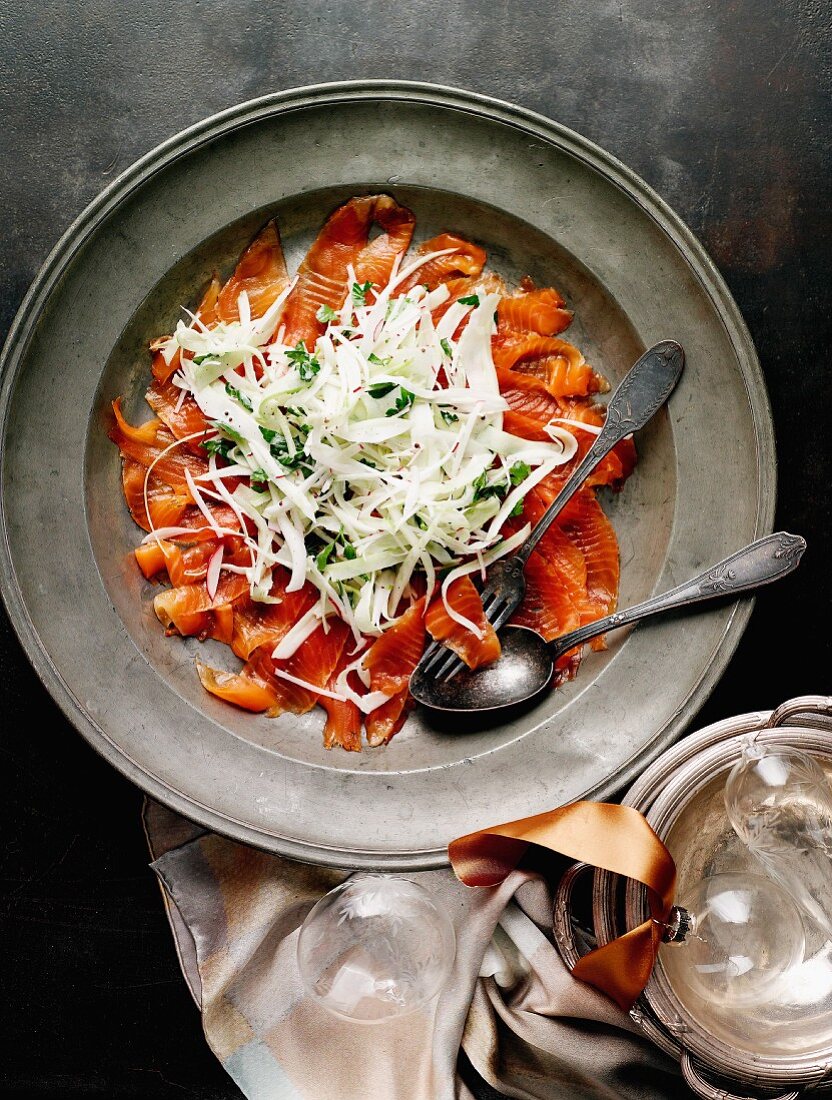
(313, 663)
(344, 241)
(261, 273)
(244, 689)
(265, 624)
(465, 600)
(530, 310)
(391, 658)
(467, 258)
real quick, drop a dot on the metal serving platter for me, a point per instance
(543, 201)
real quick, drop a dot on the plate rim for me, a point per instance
(249, 112)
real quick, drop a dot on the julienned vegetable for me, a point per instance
(376, 454)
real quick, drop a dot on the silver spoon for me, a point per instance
(527, 662)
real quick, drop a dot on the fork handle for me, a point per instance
(641, 394)
(759, 563)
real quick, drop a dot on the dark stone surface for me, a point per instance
(724, 107)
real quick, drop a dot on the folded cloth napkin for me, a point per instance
(527, 1026)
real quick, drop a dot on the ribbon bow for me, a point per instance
(614, 837)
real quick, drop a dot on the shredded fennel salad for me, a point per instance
(377, 454)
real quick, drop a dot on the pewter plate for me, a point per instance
(542, 200)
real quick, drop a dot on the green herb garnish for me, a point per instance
(218, 446)
(519, 472)
(381, 389)
(359, 293)
(446, 347)
(307, 365)
(326, 314)
(470, 300)
(404, 399)
(517, 510)
(259, 477)
(232, 391)
(324, 556)
(448, 416)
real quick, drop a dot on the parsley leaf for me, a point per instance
(326, 314)
(404, 399)
(482, 490)
(280, 450)
(446, 347)
(470, 300)
(448, 416)
(517, 510)
(349, 551)
(324, 556)
(373, 358)
(268, 434)
(218, 446)
(232, 391)
(359, 293)
(519, 472)
(307, 365)
(381, 389)
(259, 477)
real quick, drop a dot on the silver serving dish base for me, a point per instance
(543, 201)
(681, 795)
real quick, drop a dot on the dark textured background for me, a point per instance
(723, 106)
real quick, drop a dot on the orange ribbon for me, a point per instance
(616, 838)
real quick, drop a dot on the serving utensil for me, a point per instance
(527, 662)
(642, 392)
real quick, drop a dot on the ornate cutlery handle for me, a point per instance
(759, 563)
(640, 395)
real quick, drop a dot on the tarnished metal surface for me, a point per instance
(681, 795)
(542, 200)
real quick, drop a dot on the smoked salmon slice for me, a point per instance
(244, 689)
(258, 624)
(385, 721)
(180, 414)
(586, 525)
(531, 310)
(465, 600)
(467, 258)
(165, 505)
(558, 364)
(343, 718)
(391, 658)
(261, 273)
(313, 663)
(548, 605)
(343, 241)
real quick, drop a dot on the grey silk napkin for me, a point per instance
(527, 1026)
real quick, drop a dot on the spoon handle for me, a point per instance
(642, 392)
(756, 564)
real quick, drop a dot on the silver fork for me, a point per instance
(640, 395)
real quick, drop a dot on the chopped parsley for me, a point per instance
(404, 399)
(259, 477)
(232, 391)
(446, 347)
(324, 556)
(470, 300)
(448, 416)
(326, 314)
(517, 510)
(307, 365)
(381, 389)
(519, 472)
(218, 446)
(373, 358)
(359, 293)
